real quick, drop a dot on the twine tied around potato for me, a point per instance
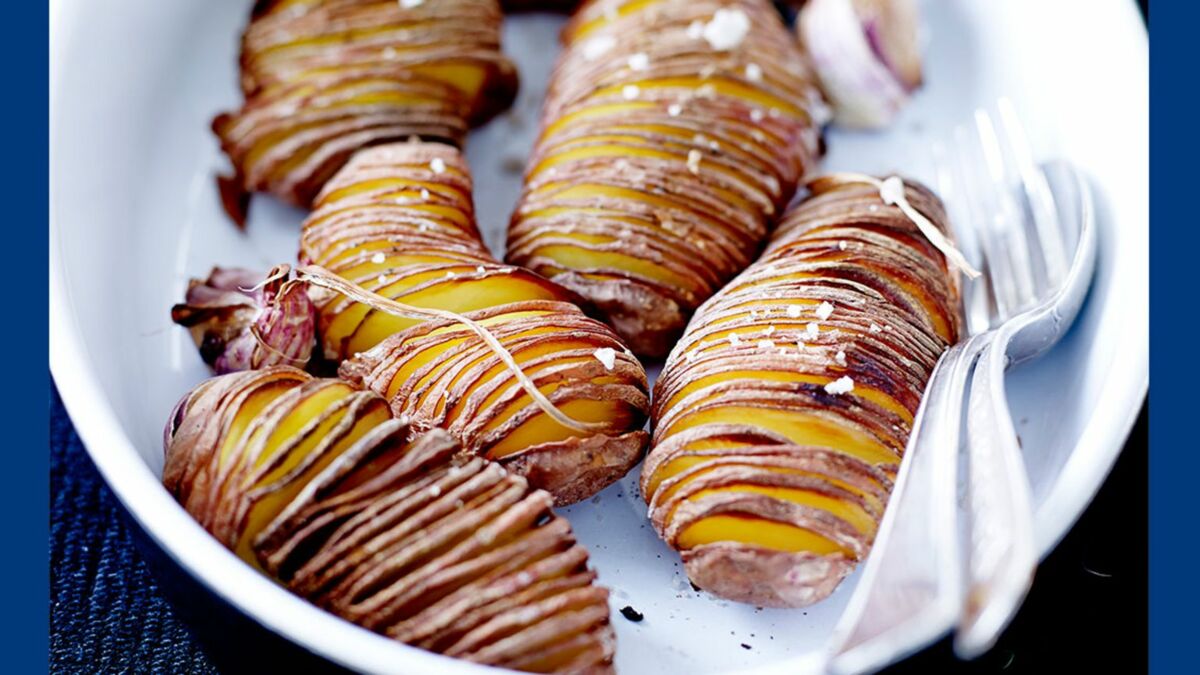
(319, 276)
(891, 191)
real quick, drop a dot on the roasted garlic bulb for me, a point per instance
(781, 416)
(323, 78)
(397, 221)
(674, 133)
(314, 483)
(241, 320)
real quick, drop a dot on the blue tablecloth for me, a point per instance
(106, 613)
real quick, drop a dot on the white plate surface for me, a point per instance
(134, 214)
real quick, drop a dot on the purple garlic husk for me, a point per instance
(866, 55)
(242, 321)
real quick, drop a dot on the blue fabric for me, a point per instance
(106, 612)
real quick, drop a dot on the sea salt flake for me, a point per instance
(607, 356)
(874, 328)
(480, 270)
(842, 385)
(378, 258)
(630, 92)
(766, 344)
(756, 115)
(840, 357)
(891, 191)
(734, 339)
(793, 311)
(410, 4)
(424, 193)
(754, 72)
(842, 246)
(693, 161)
(726, 29)
(383, 278)
(695, 29)
(435, 491)
(769, 330)
(598, 46)
(824, 310)
(438, 165)
(812, 331)
(639, 61)
(674, 109)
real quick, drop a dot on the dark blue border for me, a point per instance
(1174, 254)
(24, 481)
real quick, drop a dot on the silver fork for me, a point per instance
(1020, 220)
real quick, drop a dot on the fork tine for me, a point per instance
(1046, 223)
(947, 175)
(1007, 222)
(989, 302)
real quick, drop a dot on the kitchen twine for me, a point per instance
(891, 191)
(319, 276)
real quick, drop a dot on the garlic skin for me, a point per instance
(866, 56)
(240, 320)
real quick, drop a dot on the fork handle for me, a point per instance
(911, 583)
(1000, 556)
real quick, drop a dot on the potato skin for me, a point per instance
(398, 221)
(323, 79)
(409, 538)
(670, 141)
(780, 418)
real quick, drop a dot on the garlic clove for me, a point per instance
(866, 56)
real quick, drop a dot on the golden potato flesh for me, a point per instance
(781, 416)
(313, 482)
(398, 221)
(675, 131)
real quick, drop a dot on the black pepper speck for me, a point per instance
(631, 614)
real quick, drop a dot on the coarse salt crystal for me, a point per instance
(480, 270)
(378, 258)
(841, 246)
(754, 72)
(793, 311)
(874, 328)
(630, 92)
(424, 193)
(727, 29)
(438, 165)
(695, 29)
(693, 161)
(410, 4)
(639, 61)
(383, 278)
(840, 357)
(674, 109)
(435, 491)
(769, 330)
(824, 310)
(607, 356)
(734, 339)
(842, 385)
(756, 115)
(766, 344)
(598, 46)
(812, 331)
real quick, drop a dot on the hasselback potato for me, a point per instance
(313, 482)
(397, 221)
(781, 416)
(323, 78)
(674, 132)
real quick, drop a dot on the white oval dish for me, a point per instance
(134, 213)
